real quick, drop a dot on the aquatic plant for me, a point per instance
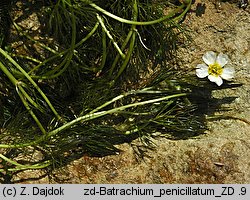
(102, 74)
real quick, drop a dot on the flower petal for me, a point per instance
(228, 73)
(222, 59)
(209, 57)
(216, 79)
(202, 70)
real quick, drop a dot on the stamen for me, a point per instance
(215, 69)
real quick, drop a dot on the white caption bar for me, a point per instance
(122, 191)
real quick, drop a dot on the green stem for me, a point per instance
(25, 103)
(143, 91)
(31, 81)
(33, 40)
(88, 36)
(178, 18)
(15, 82)
(8, 74)
(90, 117)
(104, 50)
(63, 53)
(122, 20)
(110, 36)
(51, 73)
(18, 86)
(26, 57)
(132, 42)
(22, 167)
(128, 56)
(29, 98)
(109, 102)
(69, 56)
(118, 55)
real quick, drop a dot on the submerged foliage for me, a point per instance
(100, 73)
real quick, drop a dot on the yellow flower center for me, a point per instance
(215, 69)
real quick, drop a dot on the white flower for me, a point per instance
(214, 68)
